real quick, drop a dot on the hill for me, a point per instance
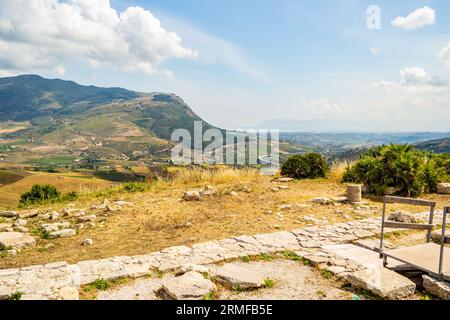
(56, 117)
(437, 146)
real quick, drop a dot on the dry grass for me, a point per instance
(9, 194)
(160, 219)
(337, 170)
(197, 177)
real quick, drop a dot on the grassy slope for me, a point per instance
(9, 194)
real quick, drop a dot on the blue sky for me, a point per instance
(276, 63)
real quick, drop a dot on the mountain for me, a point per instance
(46, 116)
(437, 146)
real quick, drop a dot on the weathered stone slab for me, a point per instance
(440, 289)
(16, 240)
(9, 214)
(239, 276)
(141, 289)
(382, 282)
(374, 244)
(189, 286)
(64, 233)
(279, 240)
(443, 188)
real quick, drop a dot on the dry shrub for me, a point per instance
(199, 176)
(337, 170)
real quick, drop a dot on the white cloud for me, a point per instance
(444, 56)
(420, 18)
(414, 76)
(375, 51)
(39, 34)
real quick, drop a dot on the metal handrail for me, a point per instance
(402, 200)
(441, 254)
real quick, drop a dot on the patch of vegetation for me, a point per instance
(5, 248)
(290, 255)
(327, 274)
(133, 187)
(210, 296)
(39, 194)
(266, 257)
(321, 293)
(100, 284)
(426, 297)
(269, 283)
(16, 296)
(245, 259)
(410, 171)
(308, 166)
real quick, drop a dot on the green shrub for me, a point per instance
(308, 166)
(411, 171)
(39, 194)
(71, 196)
(133, 187)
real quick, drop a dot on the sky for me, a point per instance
(325, 65)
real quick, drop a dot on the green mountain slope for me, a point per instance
(437, 146)
(64, 117)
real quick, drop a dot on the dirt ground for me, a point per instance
(159, 218)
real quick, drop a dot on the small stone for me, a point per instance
(405, 217)
(5, 227)
(283, 180)
(79, 226)
(193, 267)
(87, 218)
(440, 289)
(189, 286)
(188, 224)
(192, 196)
(233, 194)
(16, 240)
(274, 189)
(20, 223)
(283, 187)
(322, 200)
(383, 282)
(28, 214)
(9, 214)
(285, 207)
(44, 216)
(87, 242)
(54, 215)
(443, 188)
(22, 229)
(238, 276)
(64, 233)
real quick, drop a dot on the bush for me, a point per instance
(133, 187)
(39, 194)
(411, 171)
(308, 166)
